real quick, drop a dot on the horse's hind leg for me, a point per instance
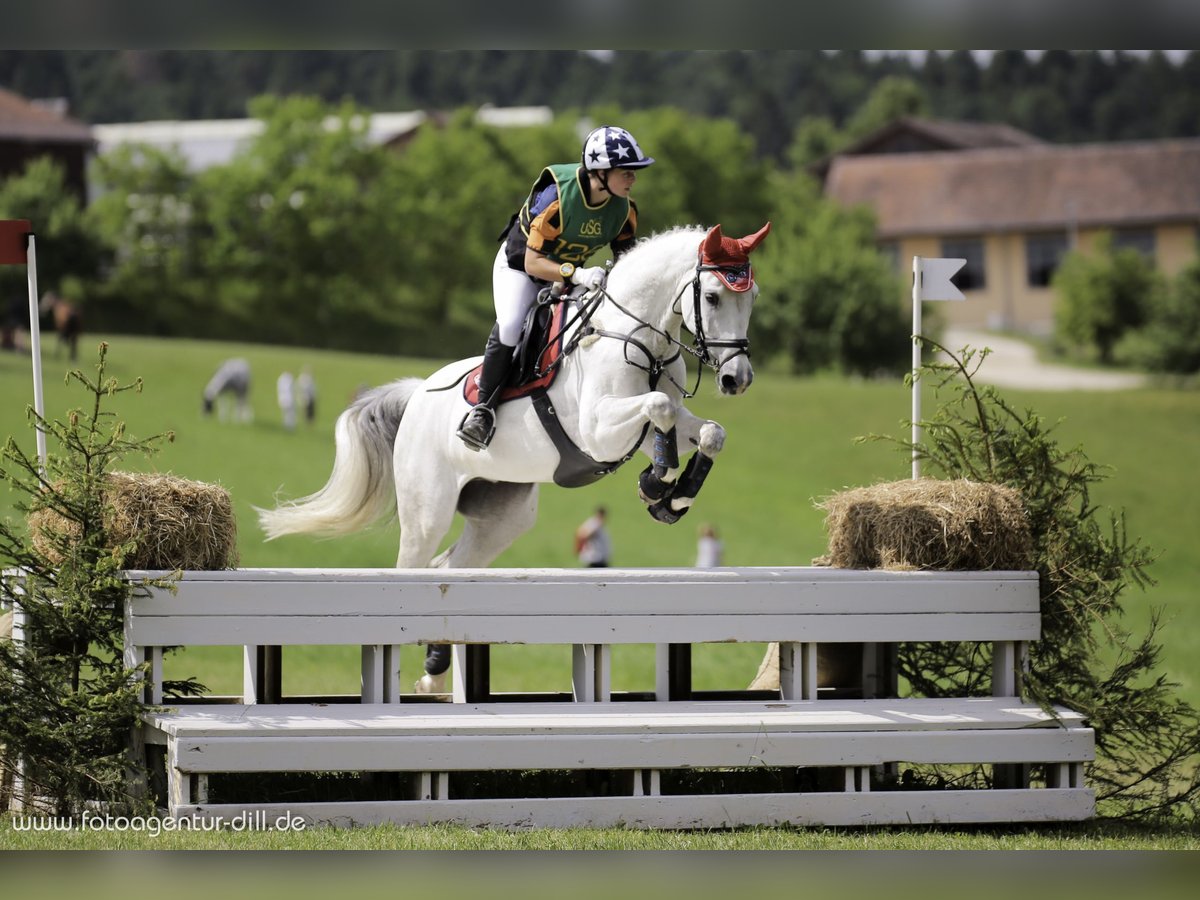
(496, 513)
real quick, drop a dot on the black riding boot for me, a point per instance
(480, 423)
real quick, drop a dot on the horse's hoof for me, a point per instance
(430, 684)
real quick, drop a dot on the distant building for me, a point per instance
(1014, 210)
(29, 130)
(213, 142)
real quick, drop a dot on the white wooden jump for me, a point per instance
(639, 739)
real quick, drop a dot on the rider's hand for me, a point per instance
(590, 278)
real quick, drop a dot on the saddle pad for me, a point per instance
(546, 359)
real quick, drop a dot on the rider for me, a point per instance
(571, 212)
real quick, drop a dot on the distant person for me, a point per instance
(231, 381)
(709, 549)
(285, 392)
(307, 389)
(592, 543)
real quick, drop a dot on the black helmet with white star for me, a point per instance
(610, 147)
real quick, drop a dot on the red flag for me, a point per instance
(13, 234)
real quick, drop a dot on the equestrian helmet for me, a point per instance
(610, 147)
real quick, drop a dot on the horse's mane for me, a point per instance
(645, 246)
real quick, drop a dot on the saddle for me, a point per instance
(535, 356)
(534, 370)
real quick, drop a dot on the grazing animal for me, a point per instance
(231, 382)
(66, 319)
(620, 388)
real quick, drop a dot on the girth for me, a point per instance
(575, 468)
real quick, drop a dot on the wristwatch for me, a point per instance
(566, 270)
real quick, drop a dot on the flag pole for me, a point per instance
(916, 367)
(35, 340)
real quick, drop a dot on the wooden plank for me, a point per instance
(647, 750)
(501, 628)
(301, 720)
(720, 575)
(533, 598)
(692, 811)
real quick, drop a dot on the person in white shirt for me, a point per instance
(592, 543)
(285, 390)
(709, 548)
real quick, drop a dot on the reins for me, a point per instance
(656, 368)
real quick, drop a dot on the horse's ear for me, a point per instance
(750, 242)
(712, 242)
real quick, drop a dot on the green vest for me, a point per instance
(585, 229)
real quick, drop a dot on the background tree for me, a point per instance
(830, 299)
(1170, 340)
(69, 255)
(145, 217)
(1103, 295)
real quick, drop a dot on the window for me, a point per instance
(1139, 239)
(1043, 253)
(970, 277)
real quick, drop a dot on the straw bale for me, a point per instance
(927, 523)
(176, 523)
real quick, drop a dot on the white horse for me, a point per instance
(231, 380)
(620, 388)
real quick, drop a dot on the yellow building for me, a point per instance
(1014, 211)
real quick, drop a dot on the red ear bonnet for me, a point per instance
(729, 258)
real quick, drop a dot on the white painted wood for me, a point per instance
(251, 676)
(372, 678)
(500, 628)
(156, 675)
(591, 672)
(1004, 669)
(911, 714)
(452, 577)
(692, 811)
(808, 661)
(624, 592)
(662, 672)
(391, 673)
(650, 749)
(791, 671)
(458, 673)
(201, 792)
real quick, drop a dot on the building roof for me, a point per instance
(944, 134)
(22, 120)
(910, 134)
(1027, 188)
(210, 142)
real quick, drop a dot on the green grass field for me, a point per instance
(791, 441)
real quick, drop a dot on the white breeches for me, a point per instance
(514, 294)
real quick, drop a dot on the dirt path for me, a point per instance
(1014, 364)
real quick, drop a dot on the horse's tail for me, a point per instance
(360, 490)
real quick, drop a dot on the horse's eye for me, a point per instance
(711, 298)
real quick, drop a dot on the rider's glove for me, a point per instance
(590, 278)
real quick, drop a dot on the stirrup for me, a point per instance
(473, 442)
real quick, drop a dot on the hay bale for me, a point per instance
(176, 523)
(956, 525)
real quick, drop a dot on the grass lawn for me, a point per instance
(791, 441)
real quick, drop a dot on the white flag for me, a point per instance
(933, 278)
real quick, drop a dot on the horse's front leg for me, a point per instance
(673, 502)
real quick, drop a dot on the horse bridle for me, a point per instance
(701, 346)
(740, 346)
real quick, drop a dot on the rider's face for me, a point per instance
(620, 182)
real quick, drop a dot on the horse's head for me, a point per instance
(722, 297)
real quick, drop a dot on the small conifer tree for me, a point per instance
(68, 702)
(1147, 738)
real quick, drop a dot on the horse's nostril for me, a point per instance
(728, 383)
